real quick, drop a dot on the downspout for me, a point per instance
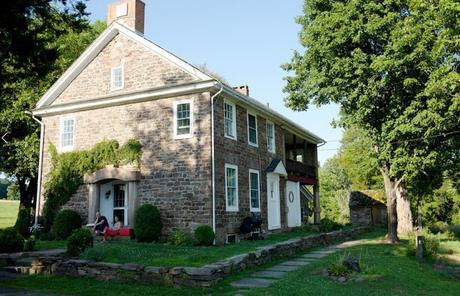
(40, 159)
(213, 166)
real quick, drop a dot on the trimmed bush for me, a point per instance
(23, 222)
(11, 240)
(46, 236)
(147, 223)
(29, 244)
(180, 237)
(79, 240)
(204, 235)
(66, 221)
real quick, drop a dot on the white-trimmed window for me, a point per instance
(67, 133)
(229, 120)
(117, 78)
(271, 137)
(254, 190)
(183, 119)
(252, 129)
(231, 187)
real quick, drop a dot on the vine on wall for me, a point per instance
(68, 169)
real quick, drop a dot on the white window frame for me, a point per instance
(273, 150)
(190, 134)
(61, 131)
(227, 207)
(234, 137)
(252, 171)
(112, 81)
(256, 144)
(125, 208)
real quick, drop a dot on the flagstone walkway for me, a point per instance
(270, 275)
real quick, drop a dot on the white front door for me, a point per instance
(106, 201)
(293, 203)
(113, 201)
(273, 201)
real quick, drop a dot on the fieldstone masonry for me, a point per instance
(205, 276)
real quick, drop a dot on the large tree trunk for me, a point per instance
(403, 209)
(27, 191)
(390, 192)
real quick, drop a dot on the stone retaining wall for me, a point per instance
(204, 276)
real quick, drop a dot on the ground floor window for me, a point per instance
(120, 203)
(254, 191)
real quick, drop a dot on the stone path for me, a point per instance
(270, 275)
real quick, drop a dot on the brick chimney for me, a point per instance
(130, 13)
(243, 89)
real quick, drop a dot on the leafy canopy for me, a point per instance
(392, 66)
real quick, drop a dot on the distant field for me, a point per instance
(8, 212)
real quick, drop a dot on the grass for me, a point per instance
(157, 254)
(387, 270)
(8, 212)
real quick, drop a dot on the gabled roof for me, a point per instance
(277, 167)
(97, 46)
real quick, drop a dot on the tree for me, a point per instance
(39, 39)
(392, 66)
(12, 192)
(335, 190)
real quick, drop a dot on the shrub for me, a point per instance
(338, 269)
(46, 236)
(23, 222)
(328, 225)
(79, 241)
(179, 237)
(437, 227)
(11, 240)
(66, 221)
(147, 223)
(95, 254)
(29, 244)
(204, 235)
(454, 231)
(430, 245)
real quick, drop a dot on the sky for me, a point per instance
(243, 41)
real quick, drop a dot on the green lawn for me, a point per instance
(170, 255)
(8, 212)
(388, 270)
(48, 245)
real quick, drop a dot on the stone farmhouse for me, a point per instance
(211, 154)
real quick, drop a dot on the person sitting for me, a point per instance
(117, 225)
(100, 224)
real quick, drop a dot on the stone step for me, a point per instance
(6, 275)
(252, 283)
(282, 267)
(16, 269)
(296, 263)
(314, 255)
(270, 274)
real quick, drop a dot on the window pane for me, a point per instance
(231, 187)
(228, 120)
(119, 200)
(252, 129)
(183, 119)
(254, 190)
(270, 137)
(117, 78)
(67, 133)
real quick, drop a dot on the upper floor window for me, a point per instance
(252, 129)
(231, 187)
(67, 134)
(271, 137)
(117, 78)
(229, 120)
(254, 191)
(183, 119)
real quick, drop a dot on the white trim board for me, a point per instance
(97, 46)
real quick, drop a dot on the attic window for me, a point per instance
(121, 10)
(117, 78)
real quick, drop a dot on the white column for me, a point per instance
(93, 201)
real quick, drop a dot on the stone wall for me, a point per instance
(239, 152)
(361, 216)
(205, 276)
(176, 173)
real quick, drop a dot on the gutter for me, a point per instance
(213, 163)
(40, 160)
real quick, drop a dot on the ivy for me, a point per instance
(68, 169)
